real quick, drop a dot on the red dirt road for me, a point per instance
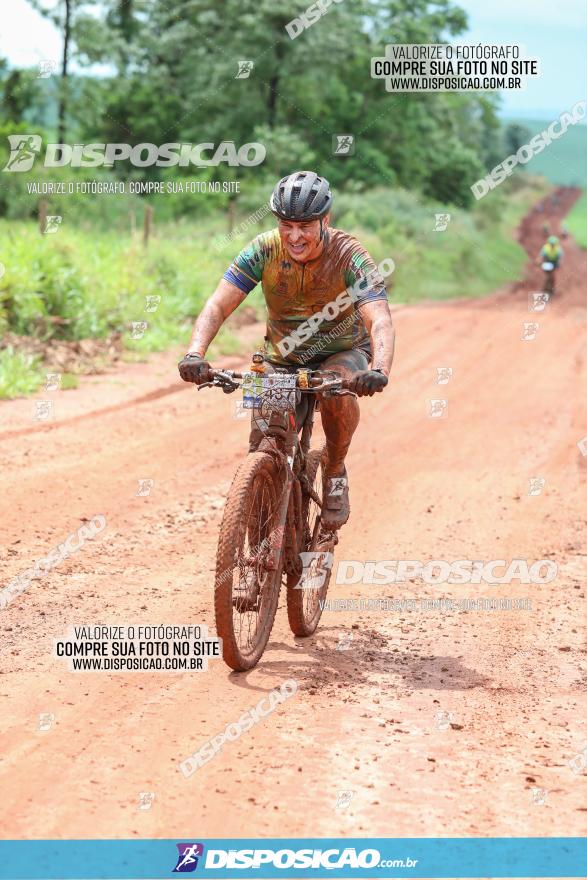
(365, 719)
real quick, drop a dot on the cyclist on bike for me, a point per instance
(303, 266)
(551, 252)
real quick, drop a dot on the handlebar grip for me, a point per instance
(235, 375)
(317, 381)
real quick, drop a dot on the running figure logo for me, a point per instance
(443, 375)
(187, 860)
(338, 485)
(52, 224)
(438, 408)
(24, 148)
(441, 222)
(343, 145)
(46, 68)
(244, 69)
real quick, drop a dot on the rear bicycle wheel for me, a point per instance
(246, 591)
(306, 594)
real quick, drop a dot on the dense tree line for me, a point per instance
(171, 75)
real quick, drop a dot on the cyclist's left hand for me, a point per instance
(367, 382)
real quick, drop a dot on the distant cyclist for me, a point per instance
(551, 252)
(549, 259)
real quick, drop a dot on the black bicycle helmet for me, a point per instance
(303, 195)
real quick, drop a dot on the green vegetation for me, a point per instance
(577, 221)
(172, 78)
(169, 76)
(475, 254)
(76, 284)
(68, 381)
(20, 374)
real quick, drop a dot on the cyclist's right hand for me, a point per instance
(193, 368)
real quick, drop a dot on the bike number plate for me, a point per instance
(548, 267)
(275, 391)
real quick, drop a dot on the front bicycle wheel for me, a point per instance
(306, 595)
(246, 589)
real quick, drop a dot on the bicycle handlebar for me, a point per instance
(318, 380)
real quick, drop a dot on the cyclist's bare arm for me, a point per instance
(221, 304)
(377, 319)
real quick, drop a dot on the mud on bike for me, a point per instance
(272, 529)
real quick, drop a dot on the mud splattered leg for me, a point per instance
(340, 415)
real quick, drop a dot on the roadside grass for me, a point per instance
(20, 374)
(86, 283)
(69, 381)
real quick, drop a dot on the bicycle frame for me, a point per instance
(290, 452)
(274, 503)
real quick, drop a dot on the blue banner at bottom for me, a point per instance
(375, 857)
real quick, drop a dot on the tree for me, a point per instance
(451, 173)
(20, 89)
(65, 15)
(515, 136)
(177, 79)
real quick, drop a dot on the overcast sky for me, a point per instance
(553, 32)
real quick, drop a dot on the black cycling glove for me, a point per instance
(367, 382)
(193, 368)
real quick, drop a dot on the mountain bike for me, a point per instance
(271, 530)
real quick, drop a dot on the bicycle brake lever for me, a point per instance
(334, 392)
(227, 385)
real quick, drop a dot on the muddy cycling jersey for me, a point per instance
(296, 291)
